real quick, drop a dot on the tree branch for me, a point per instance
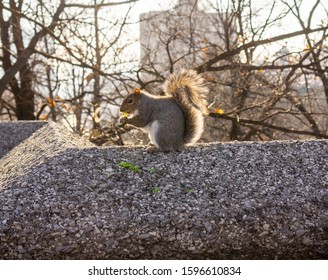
(25, 55)
(204, 67)
(264, 124)
(84, 6)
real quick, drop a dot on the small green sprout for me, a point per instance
(190, 190)
(128, 165)
(155, 190)
(152, 170)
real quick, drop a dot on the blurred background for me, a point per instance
(265, 62)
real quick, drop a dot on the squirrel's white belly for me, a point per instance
(152, 129)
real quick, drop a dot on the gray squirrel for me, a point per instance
(174, 120)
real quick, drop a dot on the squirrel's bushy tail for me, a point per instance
(189, 90)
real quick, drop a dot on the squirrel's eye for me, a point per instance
(130, 101)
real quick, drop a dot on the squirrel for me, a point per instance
(174, 120)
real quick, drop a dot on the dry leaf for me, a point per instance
(219, 111)
(51, 102)
(307, 48)
(43, 117)
(89, 78)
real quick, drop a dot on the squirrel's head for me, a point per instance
(131, 102)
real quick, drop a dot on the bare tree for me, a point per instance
(22, 90)
(66, 70)
(256, 93)
(70, 63)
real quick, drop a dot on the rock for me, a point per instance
(66, 199)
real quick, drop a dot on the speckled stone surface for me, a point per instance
(212, 201)
(13, 133)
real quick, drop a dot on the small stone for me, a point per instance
(263, 233)
(208, 226)
(93, 183)
(72, 223)
(300, 232)
(266, 227)
(306, 241)
(248, 204)
(96, 230)
(144, 236)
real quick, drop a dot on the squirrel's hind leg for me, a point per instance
(166, 137)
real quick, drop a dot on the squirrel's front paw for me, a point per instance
(123, 120)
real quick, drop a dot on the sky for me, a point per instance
(288, 24)
(143, 6)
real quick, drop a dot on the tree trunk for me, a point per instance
(25, 104)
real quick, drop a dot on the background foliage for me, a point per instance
(73, 61)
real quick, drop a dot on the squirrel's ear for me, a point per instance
(137, 91)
